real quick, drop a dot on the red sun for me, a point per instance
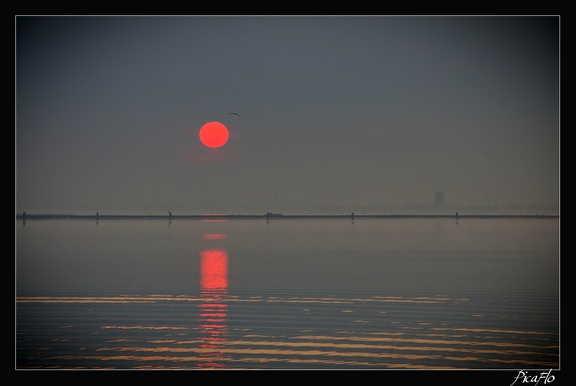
(214, 134)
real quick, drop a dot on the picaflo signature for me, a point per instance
(533, 379)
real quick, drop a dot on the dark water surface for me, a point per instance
(288, 294)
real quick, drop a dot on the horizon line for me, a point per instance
(269, 215)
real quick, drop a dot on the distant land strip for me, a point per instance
(275, 216)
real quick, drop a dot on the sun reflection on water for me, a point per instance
(213, 309)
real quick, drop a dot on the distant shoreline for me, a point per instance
(275, 216)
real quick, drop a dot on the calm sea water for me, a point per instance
(288, 294)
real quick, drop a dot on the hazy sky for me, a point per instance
(337, 113)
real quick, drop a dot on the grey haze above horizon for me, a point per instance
(337, 114)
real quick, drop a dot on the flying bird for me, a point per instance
(234, 114)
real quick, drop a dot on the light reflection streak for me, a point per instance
(419, 346)
(323, 353)
(214, 236)
(144, 327)
(215, 219)
(183, 298)
(496, 331)
(213, 311)
(251, 360)
(426, 346)
(416, 340)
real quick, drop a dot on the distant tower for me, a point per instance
(439, 198)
